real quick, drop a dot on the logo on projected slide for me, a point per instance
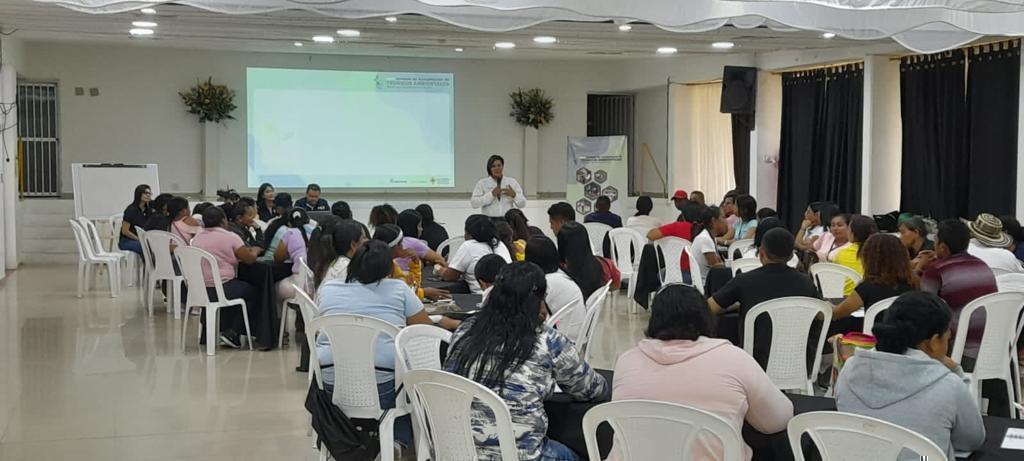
(583, 206)
(600, 176)
(583, 175)
(611, 192)
(592, 190)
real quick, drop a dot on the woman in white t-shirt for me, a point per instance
(643, 218)
(481, 239)
(331, 249)
(704, 249)
(563, 292)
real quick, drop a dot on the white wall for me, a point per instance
(652, 129)
(883, 136)
(765, 144)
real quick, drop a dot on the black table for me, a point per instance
(565, 424)
(464, 306)
(432, 281)
(264, 319)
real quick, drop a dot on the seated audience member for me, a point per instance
(697, 197)
(563, 292)
(158, 220)
(679, 347)
(861, 228)
(182, 223)
(515, 214)
(886, 274)
(682, 229)
(265, 202)
(909, 380)
(704, 250)
(381, 215)
(765, 213)
(229, 250)
(413, 275)
(410, 223)
(508, 349)
(199, 209)
(559, 214)
(728, 207)
(368, 291)
(486, 270)
(815, 225)
(481, 239)
(914, 236)
(746, 209)
(312, 200)
(433, 233)
(588, 271)
(282, 203)
(505, 236)
(775, 279)
(991, 244)
(643, 218)
(135, 215)
(838, 237)
(242, 221)
(1012, 227)
(332, 248)
(520, 230)
(341, 210)
(603, 213)
(292, 248)
(679, 200)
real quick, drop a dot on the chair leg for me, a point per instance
(81, 278)
(212, 332)
(1011, 398)
(284, 323)
(184, 327)
(387, 437)
(176, 298)
(113, 278)
(248, 331)
(150, 288)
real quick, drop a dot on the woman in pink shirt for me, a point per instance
(680, 363)
(182, 223)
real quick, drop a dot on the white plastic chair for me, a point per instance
(87, 259)
(595, 303)
(308, 310)
(96, 243)
(442, 403)
(696, 277)
(190, 261)
(650, 430)
(627, 245)
(738, 245)
(304, 271)
(1010, 282)
(418, 347)
(998, 271)
(596, 231)
(558, 319)
(132, 259)
(872, 313)
(353, 339)
(997, 353)
(831, 279)
(744, 265)
(670, 253)
(791, 319)
(849, 437)
(452, 245)
(159, 245)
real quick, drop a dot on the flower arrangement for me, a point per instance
(212, 103)
(531, 107)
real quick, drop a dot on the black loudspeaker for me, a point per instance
(739, 90)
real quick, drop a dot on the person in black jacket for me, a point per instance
(312, 200)
(433, 233)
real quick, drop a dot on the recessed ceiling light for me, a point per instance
(141, 32)
(147, 11)
(828, 35)
(350, 33)
(723, 45)
(323, 39)
(667, 50)
(458, 50)
(297, 43)
(505, 45)
(143, 24)
(625, 28)
(391, 19)
(545, 39)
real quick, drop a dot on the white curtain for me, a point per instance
(925, 26)
(708, 141)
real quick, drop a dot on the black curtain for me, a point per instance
(803, 98)
(836, 164)
(933, 108)
(742, 125)
(993, 87)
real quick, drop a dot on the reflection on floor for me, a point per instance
(96, 379)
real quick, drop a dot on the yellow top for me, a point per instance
(847, 256)
(413, 278)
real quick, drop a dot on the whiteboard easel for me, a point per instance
(105, 189)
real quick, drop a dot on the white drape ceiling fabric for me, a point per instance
(924, 26)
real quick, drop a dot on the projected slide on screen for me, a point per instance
(350, 129)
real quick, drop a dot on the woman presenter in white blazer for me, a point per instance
(497, 193)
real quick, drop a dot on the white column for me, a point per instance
(882, 153)
(8, 93)
(211, 158)
(531, 162)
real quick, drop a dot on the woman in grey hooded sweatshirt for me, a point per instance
(910, 381)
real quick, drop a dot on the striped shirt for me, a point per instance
(960, 279)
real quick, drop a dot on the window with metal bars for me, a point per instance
(39, 136)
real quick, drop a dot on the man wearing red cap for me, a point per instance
(680, 200)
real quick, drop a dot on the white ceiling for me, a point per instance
(186, 27)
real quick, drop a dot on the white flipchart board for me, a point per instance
(105, 189)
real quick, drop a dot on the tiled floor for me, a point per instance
(96, 379)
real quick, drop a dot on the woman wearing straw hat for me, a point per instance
(990, 244)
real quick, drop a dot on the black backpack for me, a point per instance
(346, 439)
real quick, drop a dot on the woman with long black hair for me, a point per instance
(588, 271)
(481, 239)
(135, 215)
(433, 233)
(331, 248)
(293, 248)
(508, 349)
(496, 193)
(265, 202)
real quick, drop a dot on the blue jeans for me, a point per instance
(403, 424)
(555, 451)
(134, 246)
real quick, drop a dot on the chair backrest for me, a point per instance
(738, 245)
(451, 245)
(849, 437)
(147, 252)
(627, 245)
(595, 303)
(442, 403)
(115, 221)
(744, 265)
(353, 339)
(872, 312)
(306, 276)
(1010, 282)
(596, 231)
(92, 234)
(649, 430)
(791, 325)
(418, 347)
(696, 277)
(831, 278)
(671, 252)
(559, 320)
(159, 243)
(81, 241)
(191, 261)
(997, 271)
(308, 309)
(998, 339)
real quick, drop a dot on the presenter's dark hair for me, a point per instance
(490, 161)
